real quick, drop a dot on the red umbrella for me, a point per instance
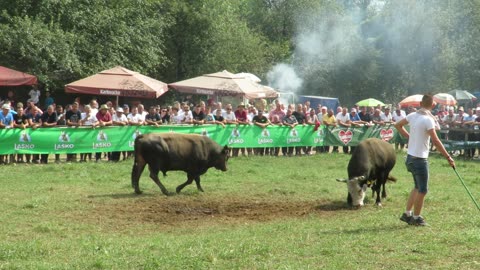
(10, 77)
(413, 100)
(445, 99)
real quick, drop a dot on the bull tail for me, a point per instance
(391, 178)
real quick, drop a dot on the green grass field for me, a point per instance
(264, 213)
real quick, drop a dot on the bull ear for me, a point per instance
(342, 180)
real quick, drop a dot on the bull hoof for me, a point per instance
(379, 204)
(178, 190)
(138, 191)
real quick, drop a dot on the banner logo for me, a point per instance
(205, 133)
(64, 140)
(235, 137)
(25, 137)
(294, 137)
(102, 141)
(64, 137)
(264, 137)
(345, 136)
(24, 140)
(386, 134)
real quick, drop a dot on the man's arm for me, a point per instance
(400, 126)
(439, 145)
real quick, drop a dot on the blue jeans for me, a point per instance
(419, 169)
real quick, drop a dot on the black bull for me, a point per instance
(193, 154)
(370, 165)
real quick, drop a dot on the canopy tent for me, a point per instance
(370, 102)
(224, 84)
(118, 81)
(10, 77)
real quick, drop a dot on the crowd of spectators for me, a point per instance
(17, 115)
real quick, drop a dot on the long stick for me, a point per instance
(468, 191)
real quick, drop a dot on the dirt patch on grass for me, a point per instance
(184, 211)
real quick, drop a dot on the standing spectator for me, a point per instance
(34, 121)
(219, 120)
(262, 121)
(186, 114)
(60, 122)
(365, 116)
(88, 119)
(153, 118)
(175, 118)
(118, 119)
(343, 120)
(49, 119)
(198, 116)
(329, 120)
(377, 118)
(134, 118)
(387, 116)
(141, 111)
(48, 99)
(93, 106)
(165, 114)
(219, 108)
(209, 117)
(422, 129)
(290, 121)
(301, 119)
(6, 121)
(229, 115)
(104, 119)
(73, 117)
(34, 95)
(20, 120)
(242, 119)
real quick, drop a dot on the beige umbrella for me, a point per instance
(224, 84)
(118, 81)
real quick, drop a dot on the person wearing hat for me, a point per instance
(6, 117)
(103, 116)
(104, 119)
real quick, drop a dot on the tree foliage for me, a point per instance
(347, 49)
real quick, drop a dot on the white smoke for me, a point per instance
(284, 78)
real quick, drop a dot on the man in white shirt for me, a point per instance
(422, 127)
(229, 115)
(134, 118)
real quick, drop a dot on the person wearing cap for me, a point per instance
(126, 109)
(6, 117)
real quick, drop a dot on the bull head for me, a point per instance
(221, 162)
(356, 190)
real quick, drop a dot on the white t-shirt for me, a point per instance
(137, 118)
(34, 95)
(386, 118)
(342, 118)
(396, 117)
(122, 118)
(418, 143)
(90, 119)
(229, 116)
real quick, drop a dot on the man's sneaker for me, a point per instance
(406, 218)
(418, 221)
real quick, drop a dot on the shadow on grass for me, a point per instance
(121, 195)
(334, 206)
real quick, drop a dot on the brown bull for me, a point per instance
(193, 154)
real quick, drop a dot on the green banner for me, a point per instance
(108, 139)
(340, 136)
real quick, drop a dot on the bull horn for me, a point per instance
(342, 180)
(358, 178)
